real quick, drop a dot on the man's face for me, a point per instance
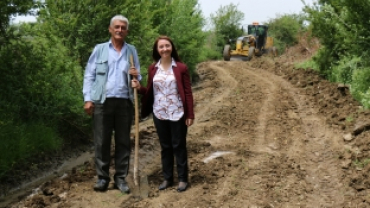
(118, 30)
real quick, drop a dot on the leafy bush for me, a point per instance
(344, 71)
(285, 30)
(43, 84)
(209, 54)
(41, 97)
(365, 99)
(322, 59)
(360, 85)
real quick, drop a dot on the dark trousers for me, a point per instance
(114, 115)
(172, 137)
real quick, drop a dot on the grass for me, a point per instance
(82, 169)
(310, 64)
(349, 118)
(361, 164)
(20, 142)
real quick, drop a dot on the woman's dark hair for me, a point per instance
(156, 55)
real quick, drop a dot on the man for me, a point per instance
(108, 98)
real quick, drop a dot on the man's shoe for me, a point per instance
(182, 186)
(123, 187)
(165, 184)
(101, 185)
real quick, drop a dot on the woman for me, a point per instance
(169, 97)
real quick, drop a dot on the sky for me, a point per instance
(254, 10)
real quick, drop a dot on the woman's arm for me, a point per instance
(188, 94)
(136, 84)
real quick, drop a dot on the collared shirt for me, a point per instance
(117, 83)
(167, 101)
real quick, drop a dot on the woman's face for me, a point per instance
(164, 48)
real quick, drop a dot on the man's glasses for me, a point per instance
(117, 27)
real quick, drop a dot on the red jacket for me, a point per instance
(183, 84)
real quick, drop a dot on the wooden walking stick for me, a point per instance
(136, 159)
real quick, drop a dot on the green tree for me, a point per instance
(226, 23)
(337, 24)
(285, 30)
(177, 17)
(81, 27)
(43, 80)
(9, 8)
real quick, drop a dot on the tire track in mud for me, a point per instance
(317, 147)
(254, 176)
(211, 105)
(309, 153)
(267, 112)
(227, 84)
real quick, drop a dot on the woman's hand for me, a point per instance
(135, 84)
(189, 122)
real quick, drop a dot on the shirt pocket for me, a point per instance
(101, 67)
(97, 89)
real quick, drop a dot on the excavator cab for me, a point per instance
(260, 34)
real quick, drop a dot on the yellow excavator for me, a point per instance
(255, 43)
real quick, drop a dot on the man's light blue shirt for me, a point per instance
(117, 83)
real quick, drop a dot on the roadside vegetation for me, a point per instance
(344, 34)
(42, 63)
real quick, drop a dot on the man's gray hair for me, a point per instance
(120, 18)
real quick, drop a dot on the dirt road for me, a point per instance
(266, 135)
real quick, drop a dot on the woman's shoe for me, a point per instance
(165, 184)
(182, 186)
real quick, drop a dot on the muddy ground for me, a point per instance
(266, 134)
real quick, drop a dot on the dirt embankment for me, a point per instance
(266, 135)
